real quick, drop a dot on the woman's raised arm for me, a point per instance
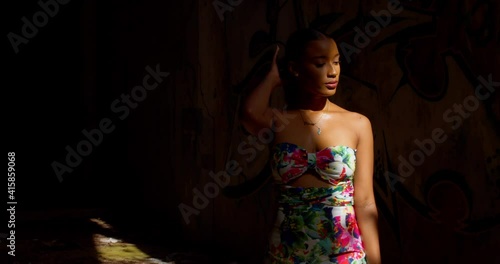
(257, 113)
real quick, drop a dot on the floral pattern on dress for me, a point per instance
(315, 225)
(290, 161)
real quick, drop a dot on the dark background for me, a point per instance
(416, 68)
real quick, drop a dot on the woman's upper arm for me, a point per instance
(363, 176)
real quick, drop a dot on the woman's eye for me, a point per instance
(320, 65)
(336, 62)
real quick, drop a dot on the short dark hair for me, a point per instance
(298, 40)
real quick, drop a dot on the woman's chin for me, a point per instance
(330, 93)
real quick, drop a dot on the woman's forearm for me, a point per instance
(257, 101)
(367, 217)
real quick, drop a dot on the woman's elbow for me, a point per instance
(247, 113)
(367, 205)
(248, 119)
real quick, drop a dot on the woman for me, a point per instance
(322, 160)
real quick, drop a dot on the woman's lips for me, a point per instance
(331, 85)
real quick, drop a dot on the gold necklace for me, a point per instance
(314, 124)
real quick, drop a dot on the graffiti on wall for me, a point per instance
(429, 44)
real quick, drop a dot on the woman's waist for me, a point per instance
(310, 178)
(291, 196)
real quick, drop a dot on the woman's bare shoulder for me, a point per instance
(357, 120)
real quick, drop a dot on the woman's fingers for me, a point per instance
(276, 53)
(274, 72)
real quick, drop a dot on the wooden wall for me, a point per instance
(406, 80)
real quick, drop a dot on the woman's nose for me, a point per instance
(332, 71)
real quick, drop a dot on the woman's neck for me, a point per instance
(308, 102)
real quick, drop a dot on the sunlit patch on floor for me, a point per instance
(101, 223)
(110, 249)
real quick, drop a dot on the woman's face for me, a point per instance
(319, 68)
